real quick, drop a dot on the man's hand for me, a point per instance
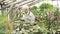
(22, 20)
(19, 19)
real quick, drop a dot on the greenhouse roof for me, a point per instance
(17, 3)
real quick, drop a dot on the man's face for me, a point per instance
(24, 10)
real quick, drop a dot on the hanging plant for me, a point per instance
(47, 7)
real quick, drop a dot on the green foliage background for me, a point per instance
(42, 19)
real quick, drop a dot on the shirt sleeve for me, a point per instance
(32, 18)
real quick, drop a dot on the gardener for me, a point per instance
(27, 16)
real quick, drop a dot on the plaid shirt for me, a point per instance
(29, 17)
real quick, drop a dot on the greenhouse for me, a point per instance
(29, 16)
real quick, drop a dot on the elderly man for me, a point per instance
(27, 16)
